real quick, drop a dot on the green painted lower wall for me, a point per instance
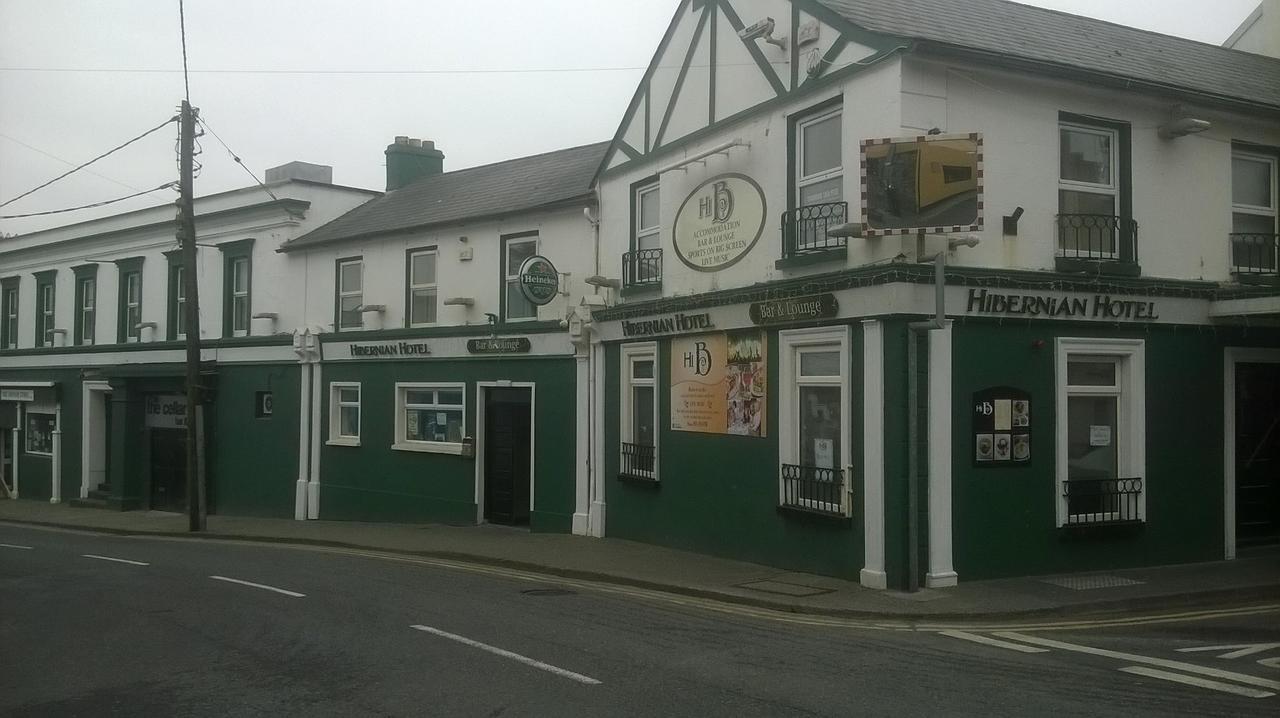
(253, 461)
(719, 494)
(35, 472)
(373, 482)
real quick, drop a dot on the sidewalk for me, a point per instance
(1254, 578)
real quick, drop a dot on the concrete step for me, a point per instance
(100, 495)
(92, 503)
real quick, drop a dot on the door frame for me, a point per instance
(89, 389)
(1231, 357)
(478, 445)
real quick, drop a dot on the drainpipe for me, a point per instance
(22, 419)
(313, 486)
(55, 493)
(304, 439)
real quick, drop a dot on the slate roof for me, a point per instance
(1034, 34)
(501, 188)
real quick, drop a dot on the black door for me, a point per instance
(168, 469)
(506, 455)
(1257, 454)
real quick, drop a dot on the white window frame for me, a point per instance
(11, 317)
(1257, 209)
(803, 180)
(132, 330)
(1111, 189)
(236, 264)
(336, 437)
(88, 310)
(1131, 412)
(343, 294)
(435, 447)
(47, 313)
(630, 355)
(641, 231)
(511, 275)
(415, 287)
(791, 344)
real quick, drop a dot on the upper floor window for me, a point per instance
(819, 159)
(9, 314)
(516, 306)
(1087, 171)
(87, 310)
(350, 294)
(1094, 213)
(647, 229)
(131, 305)
(45, 317)
(238, 295)
(422, 287)
(1253, 212)
(177, 302)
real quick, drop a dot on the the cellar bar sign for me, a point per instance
(499, 345)
(794, 309)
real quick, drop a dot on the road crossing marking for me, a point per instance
(989, 641)
(508, 654)
(262, 586)
(1134, 658)
(116, 560)
(1198, 682)
(1243, 649)
(14, 545)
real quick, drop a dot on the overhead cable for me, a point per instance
(103, 203)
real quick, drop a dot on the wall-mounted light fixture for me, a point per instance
(596, 280)
(1182, 124)
(763, 30)
(1011, 222)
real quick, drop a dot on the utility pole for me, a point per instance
(191, 310)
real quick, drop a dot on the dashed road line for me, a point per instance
(262, 586)
(1235, 651)
(116, 560)
(989, 641)
(563, 673)
(1198, 682)
(14, 545)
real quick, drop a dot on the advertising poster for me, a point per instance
(719, 383)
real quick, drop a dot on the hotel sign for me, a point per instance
(794, 309)
(719, 222)
(389, 350)
(17, 394)
(1098, 306)
(674, 324)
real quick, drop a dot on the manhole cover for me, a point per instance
(1088, 583)
(548, 592)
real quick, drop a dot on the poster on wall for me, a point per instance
(719, 383)
(1001, 427)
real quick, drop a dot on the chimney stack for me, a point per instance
(410, 159)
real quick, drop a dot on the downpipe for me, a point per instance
(914, 331)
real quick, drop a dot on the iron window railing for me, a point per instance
(1093, 502)
(638, 461)
(1253, 253)
(816, 489)
(642, 268)
(805, 229)
(1097, 236)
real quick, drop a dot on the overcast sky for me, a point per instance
(78, 77)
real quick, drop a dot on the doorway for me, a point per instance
(507, 459)
(168, 469)
(1257, 453)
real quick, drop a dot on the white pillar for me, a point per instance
(873, 573)
(17, 431)
(582, 441)
(304, 443)
(55, 492)
(313, 486)
(597, 373)
(941, 572)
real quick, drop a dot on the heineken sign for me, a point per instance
(719, 222)
(499, 345)
(794, 309)
(539, 280)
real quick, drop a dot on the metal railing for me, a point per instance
(1254, 253)
(813, 488)
(804, 229)
(1097, 236)
(638, 461)
(1092, 502)
(642, 268)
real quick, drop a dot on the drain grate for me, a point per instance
(1088, 583)
(548, 592)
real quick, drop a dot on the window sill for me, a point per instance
(652, 483)
(799, 512)
(1103, 529)
(1112, 267)
(634, 289)
(1257, 279)
(838, 254)
(428, 447)
(342, 442)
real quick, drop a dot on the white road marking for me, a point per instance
(1133, 658)
(117, 560)
(508, 654)
(988, 641)
(1245, 649)
(1198, 682)
(262, 586)
(14, 545)
(1269, 662)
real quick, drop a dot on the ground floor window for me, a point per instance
(40, 434)
(344, 413)
(815, 421)
(1101, 431)
(430, 417)
(639, 414)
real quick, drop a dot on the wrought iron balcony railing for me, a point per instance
(1096, 502)
(1097, 237)
(638, 462)
(1253, 253)
(642, 268)
(805, 229)
(813, 488)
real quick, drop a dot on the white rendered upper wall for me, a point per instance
(1260, 31)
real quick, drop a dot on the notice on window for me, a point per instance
(1099, 436)
(718, 383)
(824, 453)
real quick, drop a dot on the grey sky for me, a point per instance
(340, 119)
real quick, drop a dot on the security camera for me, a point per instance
(763, 30)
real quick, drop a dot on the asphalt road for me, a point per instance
(329, 633)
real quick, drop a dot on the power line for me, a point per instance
(69, 163)
(86, 164)
(471, 71)
(103, 203)
(234, 156)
